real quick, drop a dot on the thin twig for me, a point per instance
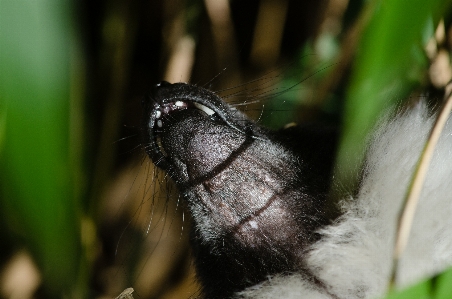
(412, 197)
(126, 294)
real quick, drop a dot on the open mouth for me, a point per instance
(167, 99)
(162, 111)
(161, 115)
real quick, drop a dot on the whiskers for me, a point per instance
(275, 92)
(144, 223)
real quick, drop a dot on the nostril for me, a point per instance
(159, 88)
(160, 85)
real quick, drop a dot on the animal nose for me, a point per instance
(156, 92)
(159, 86)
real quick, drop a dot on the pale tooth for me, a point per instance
(207, 110)
(179, 103)
(158, 113)
(159, 123)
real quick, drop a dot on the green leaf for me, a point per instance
(36, 179)
(421, 290)
(389, 64)
(443, 286)
(437, 287)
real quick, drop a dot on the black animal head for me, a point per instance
(256, 196)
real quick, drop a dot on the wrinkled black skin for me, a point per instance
(237, 256)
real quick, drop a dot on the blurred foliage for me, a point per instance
(438, 287)
(37, 187)
(390, 62)
(63, 106)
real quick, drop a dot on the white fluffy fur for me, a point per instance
(354, 256)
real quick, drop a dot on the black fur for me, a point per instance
(256, 196)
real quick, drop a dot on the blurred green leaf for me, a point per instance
(2, 123)
(36, 179)
(421, 290)
(443, 289)
(438, 287)
(299, 85)
(389, 64)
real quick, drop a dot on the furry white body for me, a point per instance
(354, 256)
